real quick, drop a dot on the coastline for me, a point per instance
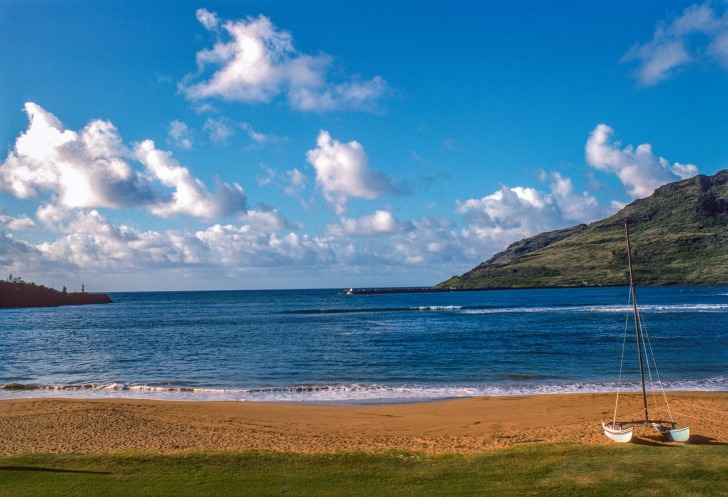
(19, 294)
(50, 425)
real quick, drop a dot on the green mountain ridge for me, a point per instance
(679, 236)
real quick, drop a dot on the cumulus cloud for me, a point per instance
(222, 129)
(261, 238)
(17, 255)
(190, 196)
(354, 95)
(296, 182)
(252, 134)
(343, 172)
(180, 135)
(510, 214)
(92, 168)
(253, 61)
(244, 246)
(91, 242)
(639, 170)
(267, 218)
(433, 241)
(219, 130)
(20, 223)
(699, 34)
(381, 222)
(84, 169)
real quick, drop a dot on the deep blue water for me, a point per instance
(321, 345)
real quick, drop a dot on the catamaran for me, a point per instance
(621, 431)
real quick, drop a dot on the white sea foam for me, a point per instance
(439, 308)
(603, 309)
(345, 394)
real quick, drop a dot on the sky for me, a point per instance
(218, 145)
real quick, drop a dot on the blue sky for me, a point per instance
(250, 145)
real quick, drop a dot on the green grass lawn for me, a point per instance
(544, 469)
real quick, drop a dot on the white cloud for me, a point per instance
(244, 246)
(180, 134)
(519, 209)
(355, 95)
(17, 223)
(381, 222)
(209, 20)
(254, 61)
(17, 255)
(267, 219)
(639, 170)
(297, 182)
(222, 129)
(699, 34)
(433, 241)
(52, 215)
(252, 134)
(84, 169)
(219, 129)
(572, 206)
(342, 172)
(190, 196)
(511, 214)
(92, 243)
(92, 168)
(261, 238)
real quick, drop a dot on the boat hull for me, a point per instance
(679, 435)
(617, 433)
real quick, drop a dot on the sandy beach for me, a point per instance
(462, 425)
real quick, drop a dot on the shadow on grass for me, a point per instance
(51, 470)
(650, 441)
(658, 441)
(701, 440)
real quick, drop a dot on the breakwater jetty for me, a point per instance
(425, 289)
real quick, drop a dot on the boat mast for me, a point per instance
(636, 320)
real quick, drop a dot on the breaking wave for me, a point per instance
(344, 394)
(654, 308)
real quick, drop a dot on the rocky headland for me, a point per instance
(21, 294)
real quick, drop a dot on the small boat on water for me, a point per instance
(621, 431)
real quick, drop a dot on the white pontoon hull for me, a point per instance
(619, 435)
(680, 435)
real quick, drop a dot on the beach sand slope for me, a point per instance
(459, 426)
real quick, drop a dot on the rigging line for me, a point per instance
(643, 332)
(657, 371)
(621, 361)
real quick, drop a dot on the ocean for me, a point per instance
(326, 346)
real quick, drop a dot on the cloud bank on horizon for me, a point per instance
(73, 174)
(95, 202)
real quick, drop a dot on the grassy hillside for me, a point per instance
(679, 236)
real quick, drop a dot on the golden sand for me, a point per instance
(463, 425)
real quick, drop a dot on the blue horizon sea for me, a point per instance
(325, 346)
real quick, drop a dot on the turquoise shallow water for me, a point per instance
(324, 346)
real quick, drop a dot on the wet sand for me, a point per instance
(462, 425)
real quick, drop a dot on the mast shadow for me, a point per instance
(650, 442)
(658, 441)
(51, 470)
(701, 440)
